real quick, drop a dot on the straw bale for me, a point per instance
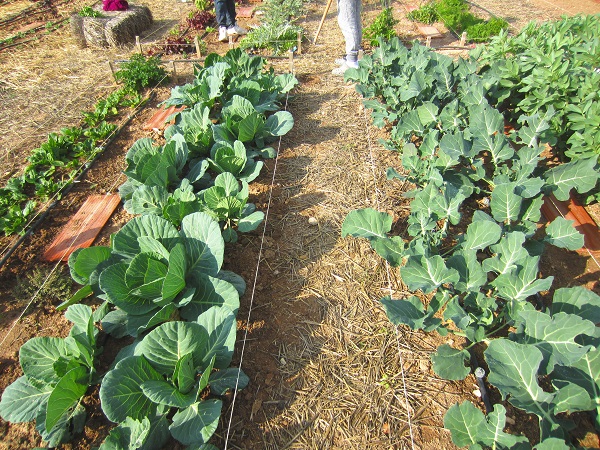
(115, 28)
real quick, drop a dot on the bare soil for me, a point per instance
(327, 369)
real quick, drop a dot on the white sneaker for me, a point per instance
(340, 61)
(223, 34)
(342, 69)
(236, 30)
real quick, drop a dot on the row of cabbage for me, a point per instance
(473, 247)
(161, 279)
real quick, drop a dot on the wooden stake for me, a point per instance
(463, 39)
(197, 44)
(322, 21)
(138, 44)
(230, 42)
(291, 61)
(299, 42)
(173, 71)
(428, 42)
(112, 69)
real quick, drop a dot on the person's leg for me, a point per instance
(222, 13)
(351, 26)
(231, 15)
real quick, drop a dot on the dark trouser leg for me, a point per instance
(223, 12)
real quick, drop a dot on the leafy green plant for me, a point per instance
(141, 72)
(382, 26)
(57, 374)
(228, 204)
(426, 13)
(152, 272)
(549, 67)
(170, 377)
(88, 11)
(478, 282)
(277, 30)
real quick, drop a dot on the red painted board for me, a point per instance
(157, 121)
(572, 210)
(83, 227)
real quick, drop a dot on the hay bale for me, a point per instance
(114, 28)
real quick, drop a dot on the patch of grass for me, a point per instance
(54, 287)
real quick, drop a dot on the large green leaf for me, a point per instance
(522, 282)
(128, 435)
(410, 312)
(204, 244)
(579, 174)
(505, 203)
(38, 357)
(249, 127)
(185, 373)
(427, 274)
(586, 374)
(174, 281)
(84, 261)
(166, 344)
(508, 253)
(250, 222)
(197, 423)
(220, 324)
(211, 292)
(472, 275)
(514, 370)
(164, 393)
(561, 233)
(228, 379)
(391, 249)
(147, 200)
(555, 337)
(577, 300)
(481, 234)
(21, 402)
(144, 269)
(113, 283)
(121, 391)
(449, 363)
(125, 241)
(67, 392)
(470, 427)
(279, 123)
(367, 223)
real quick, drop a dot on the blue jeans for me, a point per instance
(225, 11)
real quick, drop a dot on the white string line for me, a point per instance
(262, 241)
(389, 281)
(54, 197)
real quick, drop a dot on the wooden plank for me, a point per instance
(157, 121)
(84, 226)
(429, 31)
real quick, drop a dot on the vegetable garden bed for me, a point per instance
(326, 368)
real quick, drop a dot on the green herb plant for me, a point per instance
(382, 26)
(141, 72)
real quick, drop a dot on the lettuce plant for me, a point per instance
(154, 272)
(56, 375)
(168, 380)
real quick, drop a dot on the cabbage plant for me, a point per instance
(56, 375)
(153, 272)
(169, 380)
